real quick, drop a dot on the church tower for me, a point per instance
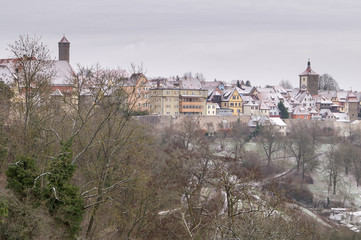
(309, 80)
(64, 46)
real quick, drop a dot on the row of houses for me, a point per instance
(194, 96)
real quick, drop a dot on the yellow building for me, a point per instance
(164, 101)
(137, 89)
(175, 101)
(232, 100)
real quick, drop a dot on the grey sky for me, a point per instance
(263, 41)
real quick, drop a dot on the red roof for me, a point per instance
(308, 71)
(64, 40)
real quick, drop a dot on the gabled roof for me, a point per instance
(300, 110)
(301, 95)
(57, 93)
(226, 96)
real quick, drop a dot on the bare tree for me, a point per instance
(327, 82)
(269, 141)
(302, 146)
(240, 133)
(333, 165)
(286, 84)
(34, 70)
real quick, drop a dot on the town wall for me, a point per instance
(214, 123)
(208, 123)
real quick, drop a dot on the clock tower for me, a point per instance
(309, 80)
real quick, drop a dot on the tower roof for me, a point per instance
(64, 40)
(309, 70)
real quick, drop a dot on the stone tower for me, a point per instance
(64, 46)
(309, 80)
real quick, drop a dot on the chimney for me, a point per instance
(64, 46)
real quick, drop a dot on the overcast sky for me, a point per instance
(263, 41)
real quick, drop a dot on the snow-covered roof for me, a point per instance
(258, 120)
(300, 110)
(244, 90)
(352, 97)
(323, 99)
(342, 117)
(264, 105)
(64, 73)
(280, 89)
(265, 90)
(190, 83)
(309, 70)
(276, 121)
(342, 96)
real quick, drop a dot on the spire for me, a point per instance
(64, 40)
(309, 64)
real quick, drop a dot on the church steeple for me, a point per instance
(64, 49)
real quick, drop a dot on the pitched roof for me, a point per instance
(300, 110)
(190, 83)
(64, 40)
(64, 73)
(276, 121)
(309, 70)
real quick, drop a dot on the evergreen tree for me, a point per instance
(63, 199)
(283, 110)
(21, 176)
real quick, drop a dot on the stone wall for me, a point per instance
(342, 128)
(214, 123)
(207, 123)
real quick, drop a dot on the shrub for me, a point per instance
(21, 176)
